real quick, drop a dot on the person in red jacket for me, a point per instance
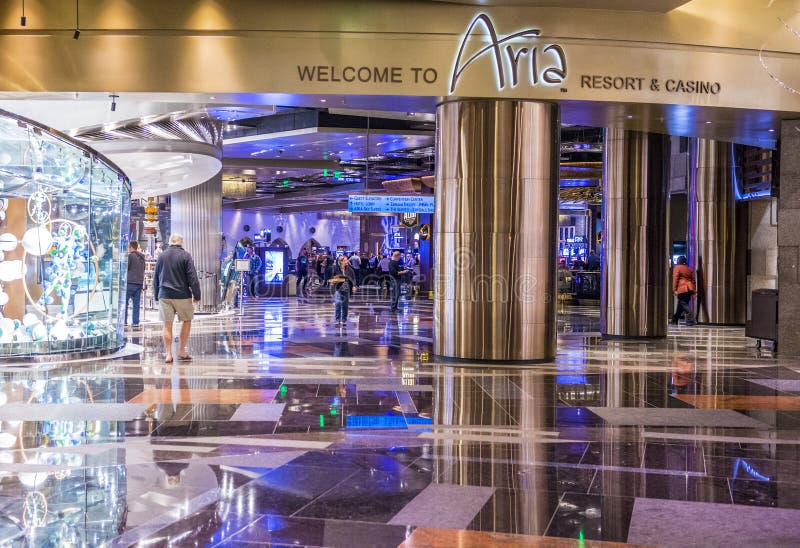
(683, 287)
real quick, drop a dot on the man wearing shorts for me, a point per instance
(175, 284)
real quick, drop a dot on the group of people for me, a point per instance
(592, 262)
(372, 267)
(176, 286)
(347, 273)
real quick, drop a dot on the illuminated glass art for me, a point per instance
(63, 211)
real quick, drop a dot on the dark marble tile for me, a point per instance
(662, 486)
(199, 429)
(681, 458)
(294, 531)
(594, 517)
(372, 496)
(286, 490)
(765, 493)
(754, 468)
(624, 454)
(517, 511)
(383, 460)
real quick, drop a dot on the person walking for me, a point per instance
(383, 272)
(355, 262)
(322, 269)
(396, 273)
(254, 274)
(302, 272)
(175, 284)
(344, 283)
(683, 286)
(136, 267)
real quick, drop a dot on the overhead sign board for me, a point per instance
(384, 203)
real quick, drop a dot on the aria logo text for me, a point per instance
(546, 65)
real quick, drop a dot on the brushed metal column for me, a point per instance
(635, 276)
(196, 213)
(712, 238)
(495, 230)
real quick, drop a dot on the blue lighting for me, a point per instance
(570, 379)
(383, 421)
(578, 182)
(741, 463)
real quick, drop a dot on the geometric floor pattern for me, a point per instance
(286, 431)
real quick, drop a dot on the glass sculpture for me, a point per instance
(64, 209)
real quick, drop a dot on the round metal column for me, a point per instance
(712, 233)
(197, 215)
(635, 261)
(495, 231)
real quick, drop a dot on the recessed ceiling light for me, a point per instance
(323, 100)
(630, 116)
(708, 121)
(212, 97)
(771, 130)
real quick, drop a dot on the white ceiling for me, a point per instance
(157, 173)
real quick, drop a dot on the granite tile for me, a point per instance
(699, 524)
(258, 412)
(619, 416)
(444, 505)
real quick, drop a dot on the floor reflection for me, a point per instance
(287, 430)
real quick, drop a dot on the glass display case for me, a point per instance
(64, 209)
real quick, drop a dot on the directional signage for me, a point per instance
(383, 203)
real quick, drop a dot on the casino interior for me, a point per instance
(469, 273)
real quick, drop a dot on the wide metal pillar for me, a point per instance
(196, 213)
(712, 234)
(495, 230)
(635, 268)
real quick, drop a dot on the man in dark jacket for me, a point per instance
(136, 266)
(302, 272)
(396, 272)
(175, 283)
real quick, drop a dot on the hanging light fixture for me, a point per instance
(77, 33)
(113, 98)
(23, 20)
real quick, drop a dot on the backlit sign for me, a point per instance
(547, 65)
(384, 203)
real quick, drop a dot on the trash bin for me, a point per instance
(763, 322)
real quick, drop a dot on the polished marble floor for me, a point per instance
(287, 431)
